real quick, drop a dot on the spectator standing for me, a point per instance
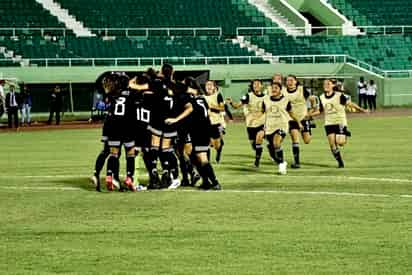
(12, 106)
(362, 97)
(371, 94)
(2, 97)
(26, 101)
(56, 104)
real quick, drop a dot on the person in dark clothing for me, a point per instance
(26, 103)
(12, 105)
(56, 104)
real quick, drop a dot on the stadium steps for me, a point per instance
(275, 16)
(349, 27)
(63, 16)
(243, 43)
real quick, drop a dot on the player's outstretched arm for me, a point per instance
(187, 111)
(296, 119)
(356, 107)
(235, 105)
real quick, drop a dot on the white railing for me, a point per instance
(326, 30)
(216, 31)
(192, 31)
(208, 60)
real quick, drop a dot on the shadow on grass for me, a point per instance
(83, 183)
(311, 164)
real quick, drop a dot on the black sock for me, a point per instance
(219, 151)
(113, 167)
(207, 173)
(147, 161)
(271, 150)
(101, 158)
(295, 150)
(253, 144)
(173, 165)
(278, 155)
(130, 166)
(183, 167)
(337, 155)
(259, 150)
(153, 156)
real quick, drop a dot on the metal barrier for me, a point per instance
(195, 31)
(326, 30)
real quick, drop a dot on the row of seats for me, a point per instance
(95, 47)
(392, 52)
(376, 12)
(227, 14)
(25, 13)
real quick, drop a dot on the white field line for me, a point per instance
(244, 176)
(311, 193)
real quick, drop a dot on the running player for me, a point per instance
(252, 104)
(278, 111)
(298, 96)
(333, 104)
(216, 105)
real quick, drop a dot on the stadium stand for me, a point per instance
(26, 13)
(376, 12)
(227, 14)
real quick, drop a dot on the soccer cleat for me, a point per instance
(295, 166)
(154, 180)
(216, 187)
(129, 184)
(282, 168)
(341, 165)
(175, 184)
(140, 187)
(204, 186)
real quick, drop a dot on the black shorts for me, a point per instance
(200, 138)
(253, 131)
(216, 131)
(142, 139)
(279, 132)
(337, 129)
(183, 137)
(293, 125)
(118, 134)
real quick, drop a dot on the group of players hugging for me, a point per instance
(169, 120)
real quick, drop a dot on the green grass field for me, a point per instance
(316, 220)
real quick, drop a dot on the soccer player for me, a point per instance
(120, 116)
(278, 111)
(104, 154)
(252, 104)
(333, 104)
(200, 132)
(163, 134)
(298, 96)
(216, 105)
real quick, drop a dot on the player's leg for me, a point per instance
(306, 131)
(112, 175)
(294, 134)
(259, 146)
(98, 166)
(209, 180)
(151, 161)
(130, 165)
(333, 133)
(170, 176)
